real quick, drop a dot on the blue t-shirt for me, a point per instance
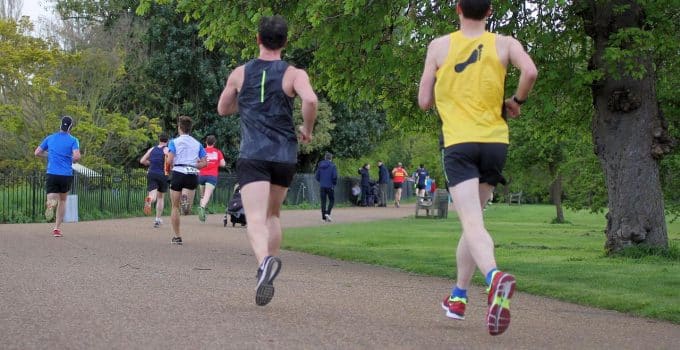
(422, 174)
(60, 147)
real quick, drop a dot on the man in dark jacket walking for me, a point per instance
(327, 176)
(383, 179)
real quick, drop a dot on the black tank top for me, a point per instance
(267, 129)
(157, 161)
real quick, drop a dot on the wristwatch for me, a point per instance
(518, 101)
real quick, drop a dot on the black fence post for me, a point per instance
(34, 176)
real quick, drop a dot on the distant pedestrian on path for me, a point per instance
(207, 177)
(156, 178)
(464, 78)
(365, 183)
(62, 150)
(262, 91)
(399, 175)
(187, 156)
(383, 180)
(327, 176)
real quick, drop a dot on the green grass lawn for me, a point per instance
(562, 261)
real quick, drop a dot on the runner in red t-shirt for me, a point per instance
(207, 177)
(399, 174)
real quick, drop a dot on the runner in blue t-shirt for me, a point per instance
(61, 150)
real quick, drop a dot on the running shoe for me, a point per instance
(455, 307)
(50, 207)
(201, 214)
(500, 292)
(264, 292)
(176, 240)
(328, 218)
(56, 233)
(184, 204)
(157, 223)
(147, 206)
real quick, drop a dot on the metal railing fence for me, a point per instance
(106, 194)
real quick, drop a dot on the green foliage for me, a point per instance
(358, 130)
(651, 254)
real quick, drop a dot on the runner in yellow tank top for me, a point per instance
(471, 112)
(464, 75)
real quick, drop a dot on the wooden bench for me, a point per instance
(515, 198)
(435, 205)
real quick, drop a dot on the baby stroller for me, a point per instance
(235, 210)
(372, 196)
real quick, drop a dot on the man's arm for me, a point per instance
(202, 158)
(202, 162)
(76, 156)
(228, 102)
(303, 88)
(427, 80)
(528, 73)
(39, 152)
(145, 158)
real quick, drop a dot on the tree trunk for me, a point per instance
(629, 133)
(556, 197)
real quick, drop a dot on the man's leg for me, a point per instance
(322, 192)
(331, 201)
(255, 196)
(466, 200)
(206, 193)
(160, 205)
(277, 195)
(190, 197)
(383, 195)
(464, 262)
(61, 208)
(175, 197)
(51, 205)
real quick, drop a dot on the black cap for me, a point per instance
(66, 123)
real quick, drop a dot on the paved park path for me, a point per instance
(120, 284)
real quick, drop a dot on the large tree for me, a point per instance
(629, 130)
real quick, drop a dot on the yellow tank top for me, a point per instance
(469, 91)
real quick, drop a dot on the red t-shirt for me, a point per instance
(214, 157)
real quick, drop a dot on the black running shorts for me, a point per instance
(467, 161)
(250, 170)
(58, 183)
(156, 182)
(183, 181)
(397, 185)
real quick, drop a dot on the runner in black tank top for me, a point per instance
(262, 91)
(267, 129)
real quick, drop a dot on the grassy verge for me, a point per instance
(562, 261)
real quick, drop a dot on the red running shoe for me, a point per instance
(56, 233)
(455, 307)
(500, 292)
